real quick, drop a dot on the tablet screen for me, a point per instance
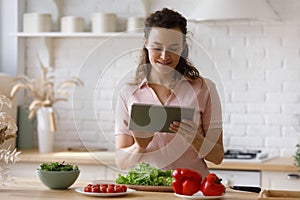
(157, 118)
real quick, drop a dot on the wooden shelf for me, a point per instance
(81, 34)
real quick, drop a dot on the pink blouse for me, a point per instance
(169, 150)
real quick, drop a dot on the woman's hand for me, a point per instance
(209, 146)
(189, 130)
(143, 139)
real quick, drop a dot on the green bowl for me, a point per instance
(58, 180)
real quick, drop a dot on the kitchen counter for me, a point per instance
(79, 157)
(108, 158)
(28, 189)
(274, 164)
(100, 165)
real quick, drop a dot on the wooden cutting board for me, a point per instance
(278, 195)
(151, 188)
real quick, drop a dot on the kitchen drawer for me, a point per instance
(238, 177)
(280, 180)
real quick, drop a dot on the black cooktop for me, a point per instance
(241, 154)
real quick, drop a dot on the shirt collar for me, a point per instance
(145, 81)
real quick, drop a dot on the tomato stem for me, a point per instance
(218, 181)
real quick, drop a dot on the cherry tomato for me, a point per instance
(95, 188)
(88, 188)
(111, 188)
(103, 188)
(124, 188)
(118, 189)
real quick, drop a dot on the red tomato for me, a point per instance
(124, 188)
(110, 188)
(88, 188)
(212, 186)
(177, 174)
(189, 187)
(95, 188)
(103, 188)
(177, 186)
(186, 182)
(118, 189)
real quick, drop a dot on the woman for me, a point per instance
(165, 77)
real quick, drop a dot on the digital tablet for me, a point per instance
(157, 118)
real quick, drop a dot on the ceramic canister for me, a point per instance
(135, 24)
(72, 24)
(37, 22)
(103, 22)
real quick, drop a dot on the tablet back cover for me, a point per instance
(157, 118)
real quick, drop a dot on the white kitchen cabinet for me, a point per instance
(280, 180)
(274, 180)
(238, 177)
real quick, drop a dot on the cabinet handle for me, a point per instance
(293, 176)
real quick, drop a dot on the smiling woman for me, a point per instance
(164, 47)
(164, 76)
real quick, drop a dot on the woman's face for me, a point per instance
(164, 48)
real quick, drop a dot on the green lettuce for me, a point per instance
(56, 166)
(144, 174)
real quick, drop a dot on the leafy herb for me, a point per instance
(56, 166)
(144, 174)
(297, 157)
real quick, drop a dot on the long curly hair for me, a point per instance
(168, 19)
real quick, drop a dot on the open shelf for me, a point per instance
(78, 34)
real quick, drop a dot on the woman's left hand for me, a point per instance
(188, 130)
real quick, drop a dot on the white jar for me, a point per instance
(103, 22)
(135, 24)
(37, 22)
(71, 24)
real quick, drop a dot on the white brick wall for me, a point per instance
(257, 71)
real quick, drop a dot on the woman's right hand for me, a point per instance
(143, 139)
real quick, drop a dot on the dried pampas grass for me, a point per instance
(8, 127)
(8, 130)
(43, 89)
